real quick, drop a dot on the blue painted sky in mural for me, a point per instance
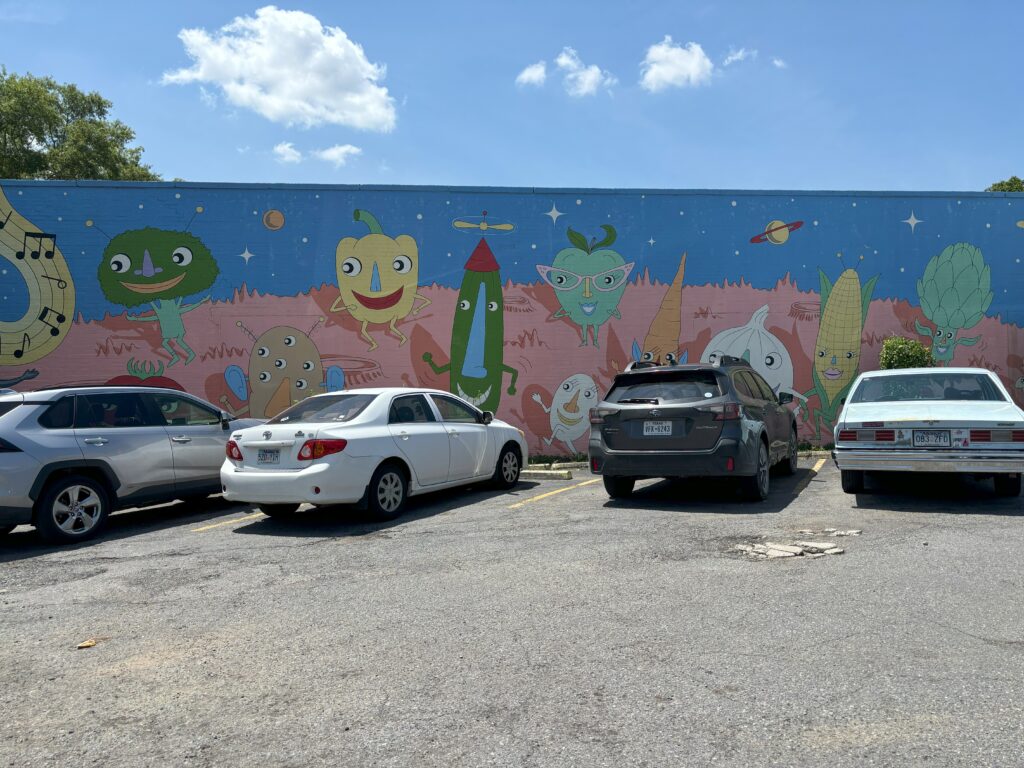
(871, 94)
(654, 227)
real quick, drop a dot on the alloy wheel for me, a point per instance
(77, 509)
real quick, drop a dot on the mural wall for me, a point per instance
(525, 302)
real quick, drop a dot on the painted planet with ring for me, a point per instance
(273, 219)
(1021, 223)
(777, 232)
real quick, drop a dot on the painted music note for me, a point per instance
(6, 219)
(62, 284)
(54, 330)
(40, 248)
(25, 343)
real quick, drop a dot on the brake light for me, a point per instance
(885, 435)
(597, 415)
(724, 412)
(981, 436)
(847, 435)
(233, 451)
(1018, 435)
(312, 450)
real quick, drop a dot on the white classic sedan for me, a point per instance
(374, 447)
(930, 420)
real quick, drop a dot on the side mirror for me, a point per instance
(785, 397)
(842, 401)
(225, 420)
(486, 417)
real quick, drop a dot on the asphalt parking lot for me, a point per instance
(546, 627)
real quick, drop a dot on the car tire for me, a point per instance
(619, 487)
(387, 491)
(72, 508)
(756, 486)
(5, 529)
(1007, 485)
(506, 472)
(852, 480)
(789, 464)
(277, 510)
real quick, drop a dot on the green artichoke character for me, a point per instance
(955, 293)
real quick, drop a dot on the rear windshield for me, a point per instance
(926, 386)
(319, 410)
(664, 387)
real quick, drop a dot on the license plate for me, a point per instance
(931, 438)
(268, 456)
(657, 429)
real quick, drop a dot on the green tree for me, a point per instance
(51, 130)
(1012, 184)
(900, 352)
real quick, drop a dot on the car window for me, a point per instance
(410, 409)
(324, 409)
(452, 410)
(117, 410)
(763, 386)
(745, 386)
(926, 386)
(60, 415)
(183, 412)
(8, 407)
(658, 387)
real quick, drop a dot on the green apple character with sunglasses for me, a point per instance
(589, 280)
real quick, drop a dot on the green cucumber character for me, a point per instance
(159, 267)
(476, 367)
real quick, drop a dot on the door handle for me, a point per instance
(405, 435)
(95, 441)
(181, 439)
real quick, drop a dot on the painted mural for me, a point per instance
(524, 302)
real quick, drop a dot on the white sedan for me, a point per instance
(374, 447)
(930, 420)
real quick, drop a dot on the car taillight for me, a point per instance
(724, 412)
(846, 435)
(597, 415)
(981, 436)
(233, 451)
(885, 435)
(312, 450)
(1018, 435)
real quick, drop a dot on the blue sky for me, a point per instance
(843, 95)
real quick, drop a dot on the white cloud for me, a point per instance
(580, 79)
(779, 63)
(741, 55)
(535, 74)
(668, 64)
(287, 153)
(289, 68)
(209, 98)
(337, 155)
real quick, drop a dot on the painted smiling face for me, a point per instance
(759, 347)
(478, 332)
(377, 275)
(571, 405)
(142, 265)
(837, 349)
(284, 368)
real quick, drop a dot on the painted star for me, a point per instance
(246, 255)
(651, 241)
(554, 213)
(913, 221)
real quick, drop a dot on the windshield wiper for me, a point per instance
(640, 401)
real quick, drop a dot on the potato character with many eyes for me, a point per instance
(378, 279)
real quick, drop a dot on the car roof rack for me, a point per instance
(92, 385)
(730, 360)
(637, 365)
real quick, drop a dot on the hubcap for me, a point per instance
(77, 509)
(762, 471)
(389, 492)
(510, 467)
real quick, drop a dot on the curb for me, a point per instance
(545, 474)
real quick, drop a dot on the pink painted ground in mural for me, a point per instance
(546, 352)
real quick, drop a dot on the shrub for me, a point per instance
(900, 352)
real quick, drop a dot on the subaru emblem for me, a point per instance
(655, 412)
(267, 435)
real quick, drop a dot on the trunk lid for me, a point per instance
(275, 447)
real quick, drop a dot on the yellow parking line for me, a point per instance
(553, 493)
(818, 465)
(807, 480)
(232, 521)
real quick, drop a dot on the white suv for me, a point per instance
(70, 456)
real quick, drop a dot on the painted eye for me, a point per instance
(821, 353)
(300, 384)
(182, 256)
(262, 351)
(464, 304)
(938, 334)
(566, 386)
(120, 263)
(647, 357)
(670, 356)
(772, 361)
(280, 363)
(849, 355)
(949, 334)
(559, 279)
(712, 357)
(308, 365)
(402, 264)
(289, 341)
(492, 306)
(264, 376)
(588, 394)
(351, 266)
(608, 280)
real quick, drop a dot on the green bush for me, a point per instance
(900, 352)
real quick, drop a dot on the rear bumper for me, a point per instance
(710, 463)
(338, 483)
(994, 462)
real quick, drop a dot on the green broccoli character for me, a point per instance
(159, 267)
(955, 293)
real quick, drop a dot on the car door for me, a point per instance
(119, 429)
(420, 437)
(471, 452)
(776, 416)
(196, 437)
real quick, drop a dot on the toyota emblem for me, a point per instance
(267, 435)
